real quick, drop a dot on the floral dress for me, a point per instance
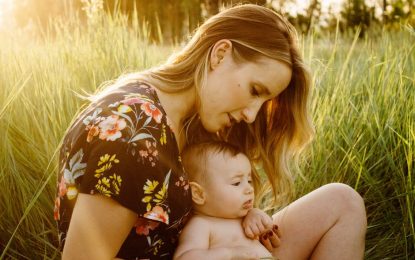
(122, 147)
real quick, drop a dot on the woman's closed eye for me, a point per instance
(254, 92)
(236, 183)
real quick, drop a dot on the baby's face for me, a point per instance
(228, 187)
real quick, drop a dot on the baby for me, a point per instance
(222, 194)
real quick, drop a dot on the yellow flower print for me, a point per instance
(124, 109)
(153, 196)
(163, 138)
(160, 196)
(107, 185)
(107, 160)
(150, 186)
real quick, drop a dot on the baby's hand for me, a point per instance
(256, 222)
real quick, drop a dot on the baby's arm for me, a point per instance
(194, 244)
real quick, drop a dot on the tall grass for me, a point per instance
(363, 107)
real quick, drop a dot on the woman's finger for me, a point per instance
(276, 230)
(264, 239)
(275, 241)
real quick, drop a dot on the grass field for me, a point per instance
(363, 107)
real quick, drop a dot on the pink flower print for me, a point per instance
(62, 187)
(143, 226)
(157, 213)
(132, 101)
(182, 183)
(151, 110)
(93, 131)
(143, 153)
(150, 154)
(111, 128)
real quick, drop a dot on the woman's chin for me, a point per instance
(211, 127)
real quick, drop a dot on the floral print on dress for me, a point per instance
(155, 199)
(74, 170)
(107, 185)
(123, 147)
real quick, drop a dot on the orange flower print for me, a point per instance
(151, 110)
(157, 213)
(93, 131)
(143, 226)
(56, 214)
(111, 128)
(62, 187)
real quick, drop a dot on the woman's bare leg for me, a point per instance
(328, 223)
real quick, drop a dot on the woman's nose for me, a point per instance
(250, 112)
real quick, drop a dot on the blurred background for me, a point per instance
(361, 54)
(172, 20)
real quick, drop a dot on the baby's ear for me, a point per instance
(198, 193)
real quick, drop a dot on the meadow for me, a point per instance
(363, 107)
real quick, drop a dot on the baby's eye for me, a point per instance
(236, 183)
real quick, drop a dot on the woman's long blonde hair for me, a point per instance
(282, 127)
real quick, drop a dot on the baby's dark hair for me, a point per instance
(195, 157)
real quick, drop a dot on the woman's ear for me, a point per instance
(220, 51)
(198, 193)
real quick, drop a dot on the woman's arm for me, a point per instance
(99, 226)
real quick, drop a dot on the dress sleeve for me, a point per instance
(128, 160)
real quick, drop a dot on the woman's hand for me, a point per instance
(271, 238)
(258, 225)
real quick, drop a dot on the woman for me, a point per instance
(241, 77)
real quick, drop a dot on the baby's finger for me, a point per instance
(249, 233)
(261, 228)
(267, 222)
(255, 229)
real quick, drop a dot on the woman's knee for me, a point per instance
(349, 201)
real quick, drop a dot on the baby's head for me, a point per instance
(220, 179)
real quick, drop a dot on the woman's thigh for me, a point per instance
(304, 222)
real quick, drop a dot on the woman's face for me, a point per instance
(236, 91)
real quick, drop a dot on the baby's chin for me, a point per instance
(234, 215)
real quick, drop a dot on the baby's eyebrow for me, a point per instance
(241, 175)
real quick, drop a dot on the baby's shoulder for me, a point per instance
(199, 220)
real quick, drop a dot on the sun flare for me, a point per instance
(5, 9)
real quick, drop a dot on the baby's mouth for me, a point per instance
(248, 204)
